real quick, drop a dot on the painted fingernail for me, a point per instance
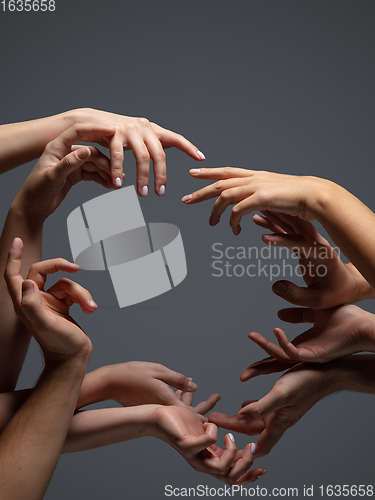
(194, 171)
(83, 153)
(192, 386)
(280, 288)
(253, 448)
(231, 437)
(118, 182)
(201, 155)
(144, 191)
(262, 473)
(186, 198)
(162, 190)
(92, 303)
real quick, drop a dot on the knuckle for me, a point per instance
(117, 155)
(144, 122)
(160, 155)
(144, 155)
(236, 210)
(226, 196)
(228, 171)
(162, 178)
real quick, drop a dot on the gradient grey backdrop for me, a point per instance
(278, 85)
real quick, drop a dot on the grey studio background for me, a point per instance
(278, 85)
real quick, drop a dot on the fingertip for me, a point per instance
(83, 153)
(28, 286)
(117, 182)
(191, 386)
(194, 171)
(200, 156)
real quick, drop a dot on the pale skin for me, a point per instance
(24, 142)
(346, 219)
(295, 393)
(46, 314)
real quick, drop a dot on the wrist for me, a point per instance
(323, 197)
(22, 209)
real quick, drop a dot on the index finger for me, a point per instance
(61, 146)
(40, 270)
(221, 173)
(170, 139)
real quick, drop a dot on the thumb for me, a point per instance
(60, 171)
(31, 304)
(300, 296)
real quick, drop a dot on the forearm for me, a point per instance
(25, 141)
(95, 428)
(31, 444)
(350, 224)
(362, 289)
(14, 337)
(357, 373)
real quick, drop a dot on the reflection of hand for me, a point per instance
(291, 397)
(59, 168)
(137, 383)
(46, 313)
(329, 281)
(336, 332)
(251, 190)
(195, 441)
(146, 140)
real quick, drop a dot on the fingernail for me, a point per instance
(144, 191)
(186, 198)
(83, 153)
(192, 386)
(231, 437)
(27, 286)
(92, 303)
(262, 473)
(253, 448)
(280, 288)
(194, 171)
(201, 155)
(118, 182)
(162, 190)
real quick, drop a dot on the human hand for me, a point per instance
(336, 332)
(291, 397)
(329, 281)
(138, 382)
(195, 441)
(60, 167)
(46, 313)
(251, 190)
(146, 140)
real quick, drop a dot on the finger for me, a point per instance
(142, 157)
(251, 476)
(297, 315)
(61, 146)
(300, 226)
(12, 272)
(243, 464)
(99, 178)
(228, 197)
(116, 150)
(179, 394)
(242, 208)
(297, 295)
(213, 190)
(177, 380)
(205, 406)
(267, 224)
(295, 353)
(269, 347)
(259, 410)
(264, 367)
(232, 423)
(40, 270)
(187, 398)
(271, 435)
(229, 455)
(97, 158)
(205, 440)
(216, 174)
(278, 220)
(159, 163)
(32, 305)
(73, 293)
(58, 172)
(170, 139)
